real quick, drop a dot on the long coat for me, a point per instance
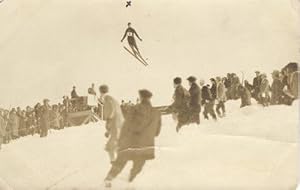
(245, 96)
(112, 113)
(277, 91)
(195, 94)
(181, 99)
(180, 105)
(264, 88)
(113, 116)
(13, 124)
(45, 117)
(139, 131)
(221, 92)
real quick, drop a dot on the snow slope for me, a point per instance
(248, 149)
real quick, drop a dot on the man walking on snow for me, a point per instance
(195, 100)
(130, 33)
(180, 106)
(113, 116)
(142, 124)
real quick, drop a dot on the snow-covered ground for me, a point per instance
(249, 149)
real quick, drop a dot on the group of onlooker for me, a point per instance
(39, 119)
(188, 104)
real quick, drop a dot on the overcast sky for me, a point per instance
(46, 47)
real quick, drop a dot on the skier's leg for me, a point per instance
(135, 46)
(116, 168)
(132, 48)
(137, 167)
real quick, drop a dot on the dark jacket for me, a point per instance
(206, 94)
(277, 91)
(45, 117)
(213, 91)
(256, 83)
(245, 96)
(181, 99)
(139, 131)
(195, 95)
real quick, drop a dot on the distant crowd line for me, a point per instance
(187, 105)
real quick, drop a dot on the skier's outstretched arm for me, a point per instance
(137, 35)
(124, 35)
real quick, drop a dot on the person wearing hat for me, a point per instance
(194, 104)
(74, 99)
(74, 93)
(276, 88)
(207, 101)
(45, 118)
(256, 85)
(13, 125)
(180, 107)
(220, 97)
(264, 96)
(137, 138)
(113, 116)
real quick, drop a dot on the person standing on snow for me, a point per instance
(264, 95)
(130, 33)
(207, 100)
(276, 88)
(221, 97)
(180, 106)
(256, 85)
(137, 139)
(195, 99)
(45, 118)
(113, 116)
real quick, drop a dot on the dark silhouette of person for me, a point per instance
(130, 33)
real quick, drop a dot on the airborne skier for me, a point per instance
(130, 33)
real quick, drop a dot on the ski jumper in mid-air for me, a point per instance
(135, 52)
(130, 33)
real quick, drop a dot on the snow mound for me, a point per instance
(251, 148)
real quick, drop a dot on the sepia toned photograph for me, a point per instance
(149, 94)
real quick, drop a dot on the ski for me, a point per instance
(142, 58)
(144, 63)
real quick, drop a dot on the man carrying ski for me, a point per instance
(130, 33)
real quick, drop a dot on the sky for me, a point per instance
(46, 47)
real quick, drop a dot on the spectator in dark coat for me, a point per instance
(13, 124)
(45, 118)
(137, 136)
(207, 101)
(74, 93)
(276, 88)
(245, 95)
(248, 86)
(256, 85)
(221, 97)
(195, 96)
(213, 88)
(180, 106)
(264, 93)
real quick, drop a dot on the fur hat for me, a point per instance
(145, 94)
(191, 79)
(103, 89)
(177, 80)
